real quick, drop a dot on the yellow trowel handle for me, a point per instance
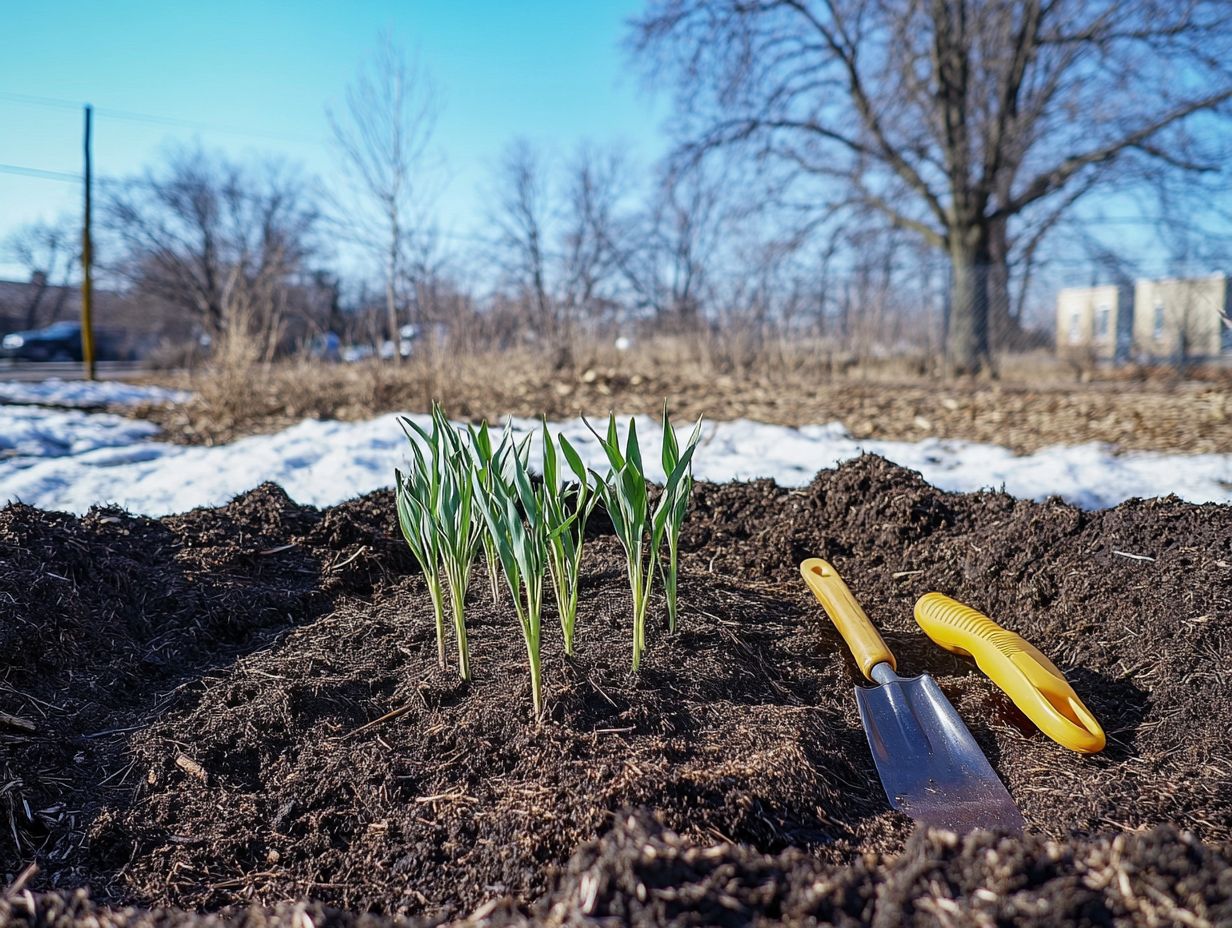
(1027, 677)
(862, 638)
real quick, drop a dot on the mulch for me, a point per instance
(238, 712)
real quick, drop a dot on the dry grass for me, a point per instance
(1036, 403)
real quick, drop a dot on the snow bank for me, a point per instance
(72, 461)
(1088, 475)
(32, 432)
(85, 393)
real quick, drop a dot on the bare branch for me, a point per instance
(1049, 181)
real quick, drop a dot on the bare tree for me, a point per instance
(595, 233)
(383, 134)
(228, 243)
(950, 117)
(671, 260)
(49, 252)
(521, 214)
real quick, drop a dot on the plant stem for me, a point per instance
(572, 588)
(493, 569)
(536, 679)
(573, 603)
(647, 584)
(457, 592)
(532, 624)
(438, 609)
(566, 601)
(639, 611)
(669, 581)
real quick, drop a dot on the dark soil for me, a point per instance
(241, 707)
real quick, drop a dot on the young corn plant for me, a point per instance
(488, 464)
(566, 511)
(417, 494)
(677, 505)
(517, 522)
(639, 529)
(454, 519)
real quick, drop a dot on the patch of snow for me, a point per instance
(85, 393)
(323, 463)
(31, 432)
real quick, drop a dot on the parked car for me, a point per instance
(60, 341)
(325, 347)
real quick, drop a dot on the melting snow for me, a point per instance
(85, 393)
(72, 460)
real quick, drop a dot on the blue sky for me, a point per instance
(258, 75)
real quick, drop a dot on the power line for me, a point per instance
(67, 177)
(33, 100)
(154, 119)
(40, 173)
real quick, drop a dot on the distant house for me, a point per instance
(1175, 319)
(126, 327)
(1183, 318)
(134, 325)
(29, 304)
(1096, 322)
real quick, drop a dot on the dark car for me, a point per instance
(60, 341)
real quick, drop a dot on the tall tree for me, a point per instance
(521, 214)
(953, 118)
(383, 134)
(595, 231)
(672, 254)
(225, 241)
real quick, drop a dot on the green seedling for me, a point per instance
(417, 494)
(516, 520)
(640, 531)
(566, 509)
(488, 464)
(677, 505)
(453, 518)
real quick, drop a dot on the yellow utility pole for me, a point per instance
(87, 261)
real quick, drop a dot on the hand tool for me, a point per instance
(930, 766)
(1032, 681)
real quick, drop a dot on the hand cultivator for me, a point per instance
(1032, 681)
(929, 764)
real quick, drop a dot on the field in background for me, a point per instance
(1037, 402)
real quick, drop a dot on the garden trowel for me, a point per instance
(930, 766)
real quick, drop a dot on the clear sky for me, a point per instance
(257, 76)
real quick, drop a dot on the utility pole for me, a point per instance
(87, 261)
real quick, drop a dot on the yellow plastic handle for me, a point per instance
(1027, 677)
(862, 638)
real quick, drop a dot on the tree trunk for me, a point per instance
(1005, 331)
(391, 301)
(40, 285)
(968, 348)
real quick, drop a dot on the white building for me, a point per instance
(1174, 319)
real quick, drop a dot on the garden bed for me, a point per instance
(241, 706)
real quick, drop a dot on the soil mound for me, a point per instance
(641, 874)
(241, 706)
